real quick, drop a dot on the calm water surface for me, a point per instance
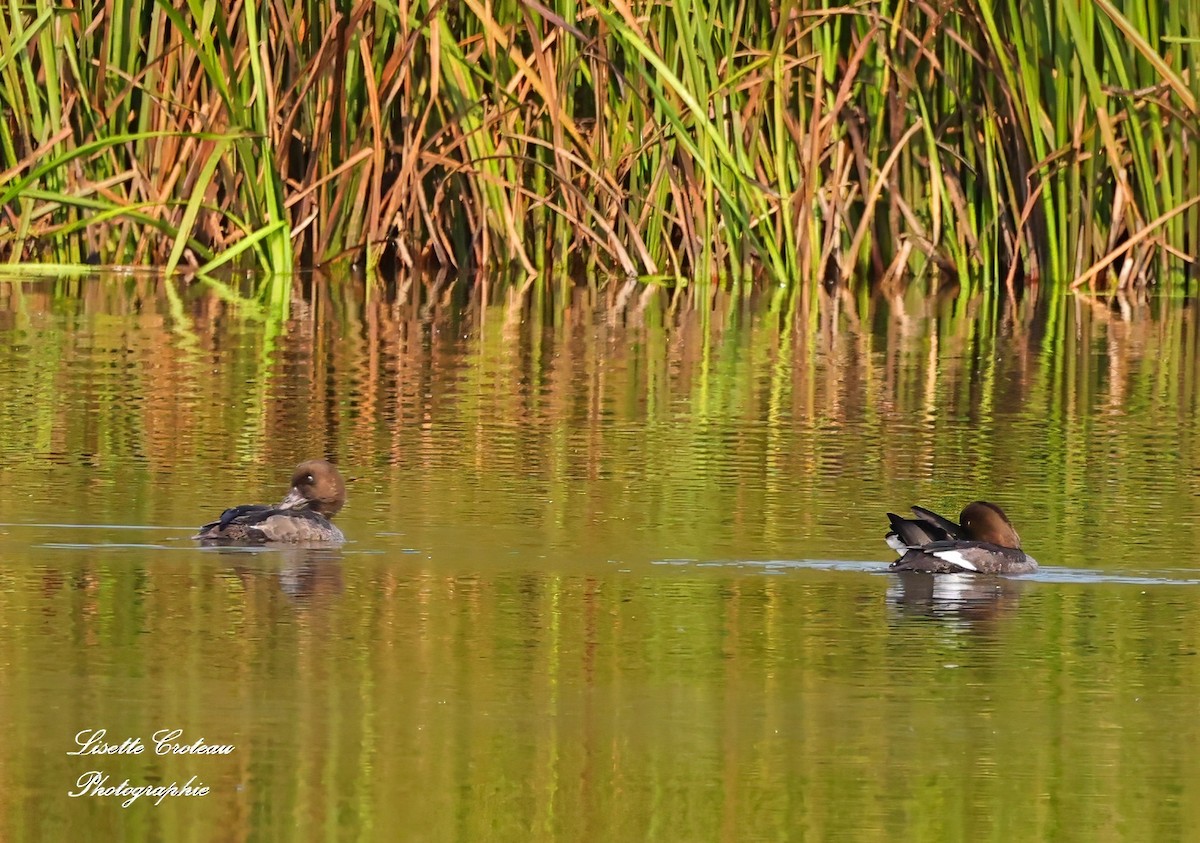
(615, 568)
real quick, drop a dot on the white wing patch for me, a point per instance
(955, 557)
(895, 543)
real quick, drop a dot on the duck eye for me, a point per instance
(308, 478)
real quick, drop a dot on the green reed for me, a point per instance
(738, 142)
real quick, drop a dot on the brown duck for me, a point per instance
(983, 542)
(316, 495)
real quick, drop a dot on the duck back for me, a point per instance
(256, 524)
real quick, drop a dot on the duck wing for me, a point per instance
(234, 517)
(929, 527)
(909, 532)
(255, 524)
(945, 525)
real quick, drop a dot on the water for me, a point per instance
(615, 572)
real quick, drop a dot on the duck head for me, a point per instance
(986, 522)
(316, 485)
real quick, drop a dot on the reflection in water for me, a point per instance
(494, 655)
(975, 601)
(307, 575)
(603, 420)
(310, 575)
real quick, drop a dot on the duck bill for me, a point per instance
(294, 500)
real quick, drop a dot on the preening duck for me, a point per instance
(983, 542)
(317, 494)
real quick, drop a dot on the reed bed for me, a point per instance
(734, 143)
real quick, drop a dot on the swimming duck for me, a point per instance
(984, 542)
(316, 495)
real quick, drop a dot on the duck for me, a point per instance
(317, 493)
(983, 542)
